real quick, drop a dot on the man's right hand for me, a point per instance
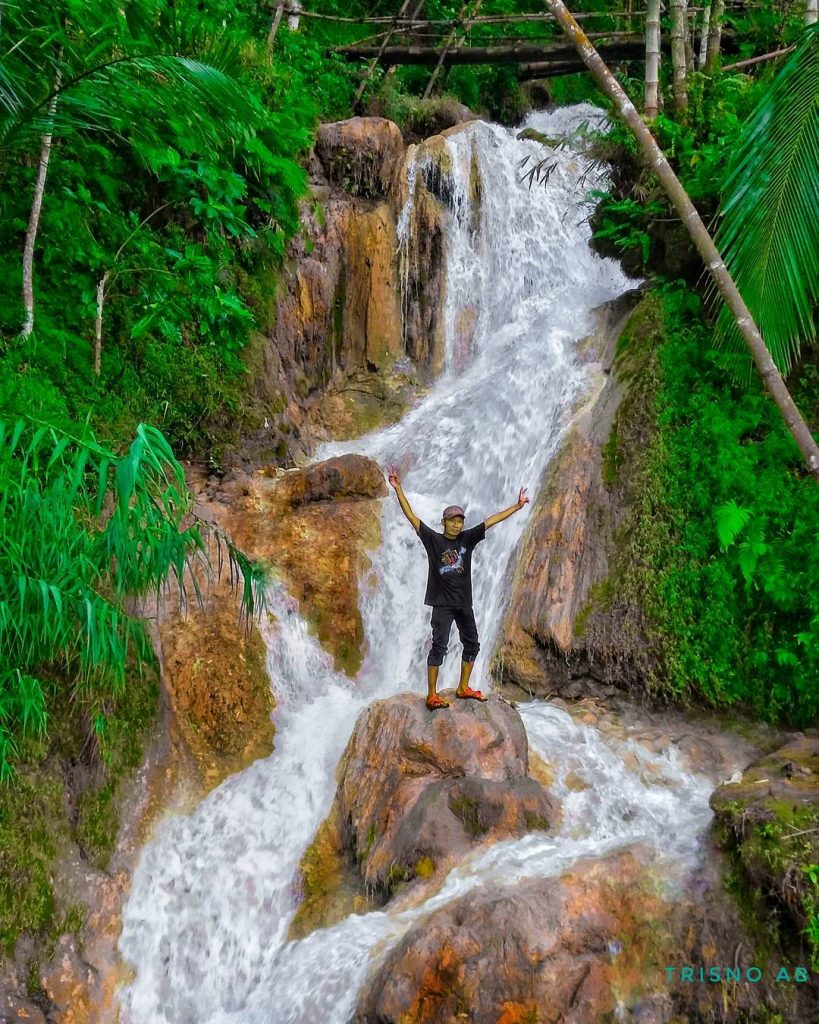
(393, 476)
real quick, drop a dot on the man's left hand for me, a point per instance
(522, 499)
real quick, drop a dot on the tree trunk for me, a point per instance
(678, 56)
(274, 27)
(811, 11)
(652, 59)
(690, 19)
(714, 35)
(706, 17)
(702, 240)
(98, 327)
(34, 220)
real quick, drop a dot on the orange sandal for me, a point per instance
(469, 692)
(433, 703)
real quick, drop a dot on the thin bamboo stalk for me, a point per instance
(496, 19)
(714, 35)
(452, 36)
(706, 17)
(652, 87)
(681, 202)
(678, 63)
(758, 60)
(374, 62)
(274, 27)
(34, 215)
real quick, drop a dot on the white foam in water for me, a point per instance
(213, 895)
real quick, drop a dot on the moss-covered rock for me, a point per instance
(769, 819)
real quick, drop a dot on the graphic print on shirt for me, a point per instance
(453, 561)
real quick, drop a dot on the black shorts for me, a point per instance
(442, 618)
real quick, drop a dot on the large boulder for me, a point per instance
(603, 942)
(448, 782)
(346, 476)
(361, 154)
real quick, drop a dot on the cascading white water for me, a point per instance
(212, 897)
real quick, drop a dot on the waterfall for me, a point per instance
(212, 897)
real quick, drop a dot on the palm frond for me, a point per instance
(769, 236)
(121, 71)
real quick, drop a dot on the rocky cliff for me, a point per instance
(570, 541)
(357, 329)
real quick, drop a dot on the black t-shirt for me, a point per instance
(450, 565)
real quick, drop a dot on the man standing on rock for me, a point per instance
(449, 586)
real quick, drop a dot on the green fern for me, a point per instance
(731, 521)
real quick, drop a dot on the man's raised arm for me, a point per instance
(500, 516)
(395, 480)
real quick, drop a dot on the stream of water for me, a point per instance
(212, 897)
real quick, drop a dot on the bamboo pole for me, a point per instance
(706, 17)
(681, 202)
(690, 19)
(678, 62)
(428, 55)
(497, 19)
(274, 27)
(758, 60)
(652, 88)
(714, 35)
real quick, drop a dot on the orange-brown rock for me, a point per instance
(355, 300)
(314, 526)
(567, 546)
(347, 476)
(589, 946)
(447, 782)
(545, 950)
(361, 154)
(214, 674)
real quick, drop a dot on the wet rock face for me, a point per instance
(314, 526)
(217, 685)
(354, 299)
(448, 781)
(361, 154)
(548, 950)
(591, 945)
(568, 544)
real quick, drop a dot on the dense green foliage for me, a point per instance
(175, 188)
(82, 531)
(720, 549)
(66, 789)
(176, 172)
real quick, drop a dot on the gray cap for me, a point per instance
(451, 511)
